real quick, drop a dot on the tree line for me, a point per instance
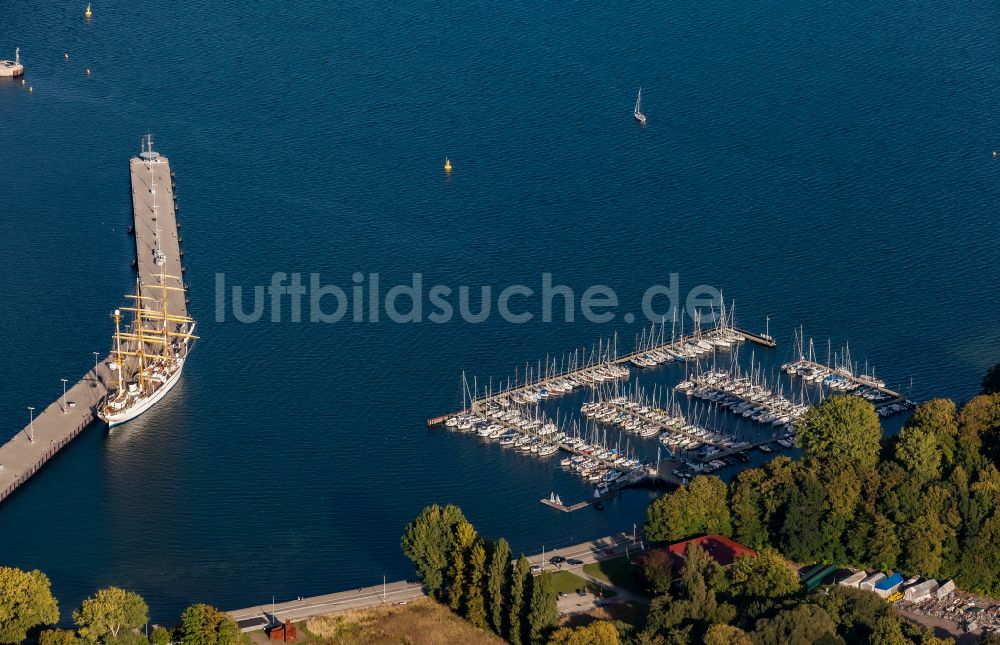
(112, 616)
(926, 502)
(758, 600)
(477, 578)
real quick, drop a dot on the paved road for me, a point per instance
(296, 610)
(258, 617)
(587, 552)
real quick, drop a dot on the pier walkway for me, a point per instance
(156, 240)
(53, 428)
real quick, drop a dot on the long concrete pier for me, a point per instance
(156, 239)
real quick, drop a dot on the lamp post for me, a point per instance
(95, 359)
(64, 394)
(31, 424)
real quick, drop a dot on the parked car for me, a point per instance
(574, 562)
(557, 559)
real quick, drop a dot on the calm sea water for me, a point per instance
(826, 166)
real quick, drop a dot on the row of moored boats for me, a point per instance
(675, 432)
(743, 396)
(685, 350)
(559, 385)
(542, 438)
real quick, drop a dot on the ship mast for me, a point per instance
(141, 350)
(166, 335)
(118, 348)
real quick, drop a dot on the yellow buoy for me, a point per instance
(31, 89)
(447, 164)
(88, 13)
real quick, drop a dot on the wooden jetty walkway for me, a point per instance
(156, 238)
(617, 360)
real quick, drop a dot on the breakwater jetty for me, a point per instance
(157, 246)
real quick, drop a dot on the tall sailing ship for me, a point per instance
(148, 354)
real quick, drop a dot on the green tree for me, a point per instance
(475, 606)
(746, 507)
(854, 610)
(427, 542)
(888, 632)
(657, 569)
(696, 607)
(26, 603)
(699, 507)
(842, 427)
(110, 613)
(991, 381)
(599, 632)
(919, 452)
(542, 611)
(801, 536)
(940, 417)
(463, 537)
(802, 625)
(205, 625)
(160, 636)
(884, 547)
(496, 577)
(57, 637)
(720, 634)
(765, 575)
(842, 484)
(519, 576)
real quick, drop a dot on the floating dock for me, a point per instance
(155, 227)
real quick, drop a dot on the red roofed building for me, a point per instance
(722, 549)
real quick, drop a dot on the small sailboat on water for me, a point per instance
(639, 116)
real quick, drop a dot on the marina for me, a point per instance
(728, 418)
(158, 252)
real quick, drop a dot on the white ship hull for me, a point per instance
(141, 406)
